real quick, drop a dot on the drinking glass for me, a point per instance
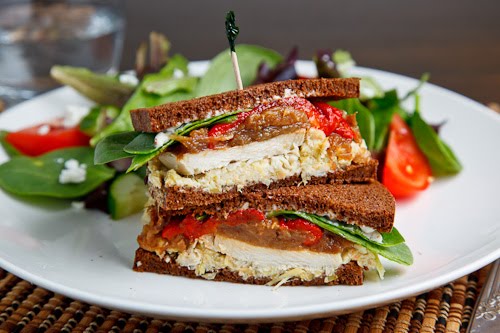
(37, 34)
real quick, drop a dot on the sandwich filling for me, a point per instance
(274, 245)
(275, 143)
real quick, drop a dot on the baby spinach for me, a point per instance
(39, 176)
(392, 247)
(441, 158)
(142, 144)
(144, 148)
(111, 147)
(220, 76)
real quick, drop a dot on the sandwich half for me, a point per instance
(263, 137)
(318, 235)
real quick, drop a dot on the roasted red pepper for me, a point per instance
(315, 232)
(321, 115)
(245, 216)
(192, 227)
(334, 121)
(294, 102)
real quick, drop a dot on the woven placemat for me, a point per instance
(26, 308)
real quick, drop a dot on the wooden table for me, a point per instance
(458, 42)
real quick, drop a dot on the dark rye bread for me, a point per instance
(177, 197)
(145, 261)
(368, 204)
(162, 117)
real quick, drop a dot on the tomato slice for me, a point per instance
(43, 138)
(406, 169)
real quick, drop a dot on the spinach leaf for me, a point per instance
(441, 158)
(111, 147)
(382, 109)
(39, 176)
(10, 150)
(144, 143)
(364, 117)
(220, 76)
(142, 99)
(397, 251)
(143, 146)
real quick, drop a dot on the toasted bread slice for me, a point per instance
(145, 261)
(182, 197)
(369, 204)
(162, 117)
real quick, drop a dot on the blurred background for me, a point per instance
(458, 41)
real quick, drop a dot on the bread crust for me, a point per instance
(145, 261)
(368, 204)
(162, 117)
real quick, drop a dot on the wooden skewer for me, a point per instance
(236, 69)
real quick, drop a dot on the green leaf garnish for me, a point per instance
(111, 147)
(39, 176)
(441, 158)
(394, 250)
(144, 148)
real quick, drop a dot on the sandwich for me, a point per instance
(309, 235)
(213, 148)
(265, 185)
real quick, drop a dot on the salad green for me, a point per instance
(392, 246)
(39, 176)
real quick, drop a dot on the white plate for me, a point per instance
(452, 228)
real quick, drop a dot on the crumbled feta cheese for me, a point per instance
(163, 137)
(178, 73)
(43, 130)
(78, 205)
(60, 160)
(74, 114)
(371, 233)
(73, 172)
(366, 229)
(128, 78)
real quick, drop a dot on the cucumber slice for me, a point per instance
(127, 196)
